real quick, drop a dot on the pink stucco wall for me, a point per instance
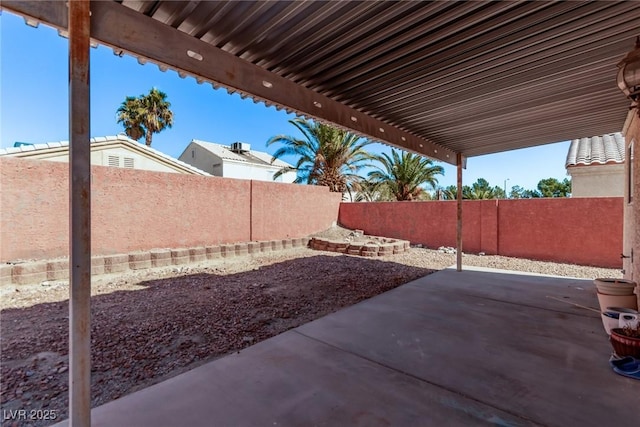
(141, 210)
(287, 210)
(585, 231)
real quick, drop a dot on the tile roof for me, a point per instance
(251, 156)
(121, 138)
(597, 150)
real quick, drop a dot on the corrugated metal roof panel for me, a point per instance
(473, 77)
(457, 73)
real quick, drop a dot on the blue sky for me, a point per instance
(34, 107)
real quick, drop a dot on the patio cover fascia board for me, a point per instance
(126, 30)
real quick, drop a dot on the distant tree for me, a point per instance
(145, 115)
(450, 192)
(498, 192)
(479, 190)
(518, 192)
(551, 187)
(438, 194)
(405, 174)
(369, 191)
(326, 155)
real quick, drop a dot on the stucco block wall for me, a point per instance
(34, 208)
(145, 210)
(597, 180)
(585, 231)
(429, 223)
(582, 231)
(142, 210)
(304, 208)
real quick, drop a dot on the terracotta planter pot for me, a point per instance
(625, 301)
(624, 345)
(615, 286)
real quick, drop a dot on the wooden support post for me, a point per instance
(459, 214)
(80, 216)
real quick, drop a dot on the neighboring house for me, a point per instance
(235, 161)
(596, 166)
(116, 151)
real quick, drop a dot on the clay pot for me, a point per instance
(624, 345)
(609, 286)
(624, 301)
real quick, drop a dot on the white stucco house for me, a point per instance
(235, 161)
(596, 166)
(115, 151)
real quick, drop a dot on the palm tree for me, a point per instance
(369, 191)
(405, 174)
(326, 155)
(145, 115)
(450, 192)
(479, 190)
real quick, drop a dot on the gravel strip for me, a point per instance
(150, 325)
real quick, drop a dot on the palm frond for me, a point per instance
(325, 155)
(405, 174)
(145, 115)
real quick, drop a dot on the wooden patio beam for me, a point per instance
(80, 216)
(459, 213)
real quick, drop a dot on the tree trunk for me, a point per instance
(147, 139)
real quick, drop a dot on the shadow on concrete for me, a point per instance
(453, 348)
(174, 324)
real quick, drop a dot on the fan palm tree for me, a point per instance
(405, 174)
(145, 115)
(326, 155)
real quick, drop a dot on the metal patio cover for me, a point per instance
(437, 78)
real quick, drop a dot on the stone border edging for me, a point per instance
(33, 272)
(388, 247)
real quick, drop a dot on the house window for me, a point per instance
(630, 172)
(193, 154)
(129, 162)
(113, 161)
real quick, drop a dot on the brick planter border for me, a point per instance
(33, 272)
(387, 247)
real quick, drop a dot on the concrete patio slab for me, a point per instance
(454, 348)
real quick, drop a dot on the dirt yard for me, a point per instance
(148, 326)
